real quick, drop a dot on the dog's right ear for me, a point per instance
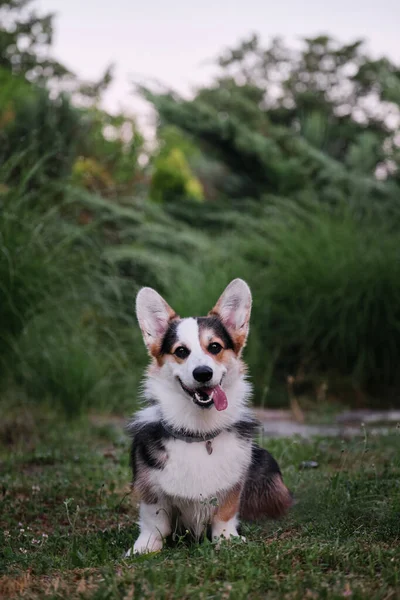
(154, 316)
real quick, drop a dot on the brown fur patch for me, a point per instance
(229, 507)
(259, 500)
(161, 359)
(239, 340)
(238, 337)
(155, 349)
(207, 337)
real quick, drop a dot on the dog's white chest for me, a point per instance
(191, 472)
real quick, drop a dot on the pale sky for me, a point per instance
(172, 40)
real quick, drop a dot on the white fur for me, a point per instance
(179, 410)
(156, 520)
(153, 314)
(192, 474)
(155, 525)
(188, 335)
(225, 529)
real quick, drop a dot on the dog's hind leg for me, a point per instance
(155, 525)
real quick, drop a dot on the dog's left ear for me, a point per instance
(234, 308)
(154, 316)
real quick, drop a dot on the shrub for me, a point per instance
(326, 296)
(172, 179)
(41, 139)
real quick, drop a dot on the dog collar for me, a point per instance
(189, 438)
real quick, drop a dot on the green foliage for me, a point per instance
(11, 88)
(62, 364)
(41, 138)
(173, 179)
(108, 154)
(326, 296)
(173, 176)
(293, 123)
(277, 185)
(33, 264)
(52, 140)
(65, 332)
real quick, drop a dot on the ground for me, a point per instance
(68, 515)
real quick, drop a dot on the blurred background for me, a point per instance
(180, 147)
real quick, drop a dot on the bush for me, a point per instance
(41, 139)
(326, 297)
(173, 179)
(62, 311)
(33, 265)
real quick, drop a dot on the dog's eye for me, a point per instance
(214, 348)
(182, 352)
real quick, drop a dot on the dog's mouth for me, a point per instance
(205, 396)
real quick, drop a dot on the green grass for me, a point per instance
(67, 517)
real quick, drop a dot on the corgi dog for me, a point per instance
(193, 456)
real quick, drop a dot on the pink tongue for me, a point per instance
(220, 399)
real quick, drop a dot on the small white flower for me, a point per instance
(23, 550)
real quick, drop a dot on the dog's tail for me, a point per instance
(264, 493)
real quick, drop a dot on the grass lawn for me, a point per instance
(66, 518)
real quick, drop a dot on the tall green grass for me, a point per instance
(63, 322)
(325, 285)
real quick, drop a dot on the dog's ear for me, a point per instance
(233, 308)
(154, 316)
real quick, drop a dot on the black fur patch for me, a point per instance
(170, 338)
(246, 428)
(148, 445)
(216, 325)
(262, 464)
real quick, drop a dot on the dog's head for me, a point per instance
(198, 358)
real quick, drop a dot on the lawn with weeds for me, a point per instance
(68, 516)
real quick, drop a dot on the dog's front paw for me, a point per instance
(223, 537)
(145, 544)
(223, 532)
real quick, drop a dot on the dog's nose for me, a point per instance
(202, 374)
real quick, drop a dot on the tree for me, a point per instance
(308, 122)
(25, 40)
(337, 84)
(47, 129)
